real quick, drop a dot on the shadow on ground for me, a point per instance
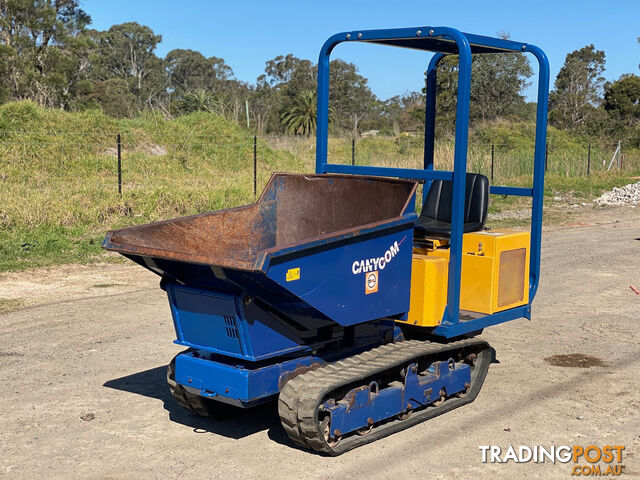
(238, 423)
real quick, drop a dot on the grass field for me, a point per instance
(58, 181)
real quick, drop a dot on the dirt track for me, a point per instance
(97, 345)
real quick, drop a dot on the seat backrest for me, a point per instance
(476, 202)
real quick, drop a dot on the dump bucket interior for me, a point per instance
(293, 209)
(309, 206)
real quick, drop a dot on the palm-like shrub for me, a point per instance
(300, 118)
(198, 101)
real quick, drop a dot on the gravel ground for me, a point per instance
(84, 395)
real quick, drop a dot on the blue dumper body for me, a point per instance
(261, 291)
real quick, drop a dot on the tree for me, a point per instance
(578, 89)
(289, 74)
(114, 98)
(622, 99)
(40, 58)
(285, 77)
(349, 95)
(405, 112)
(300, 117)
(189, 70)
(126, 51)
(262, 103)
(6, 55)
(497, 84)
(447, 91)
(234, 95)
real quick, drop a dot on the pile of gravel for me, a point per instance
(627, 195)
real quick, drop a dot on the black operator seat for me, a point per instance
(435, 219)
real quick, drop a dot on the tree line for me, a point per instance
(48, 54)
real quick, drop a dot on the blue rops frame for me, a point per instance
(449, 41)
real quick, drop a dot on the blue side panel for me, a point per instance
(354, 282)
(235, 384)
(219, 323)
(199, 374)
(205, 318)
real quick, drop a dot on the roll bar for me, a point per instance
(445, 41)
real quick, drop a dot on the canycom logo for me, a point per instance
(374, 264)
(587, 461)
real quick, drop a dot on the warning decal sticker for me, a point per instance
(371, 282)
(293, 274)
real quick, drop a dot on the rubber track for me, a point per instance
(300, 397)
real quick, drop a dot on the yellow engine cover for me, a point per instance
(428, 290)
(495, 276)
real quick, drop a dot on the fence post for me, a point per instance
(493, 156)
(546, 157)
(353, 151)
(119, 165)
(255, 166)
(589, 160)
(619, 156)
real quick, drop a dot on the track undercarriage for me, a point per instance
(352, 402)
(380, 392)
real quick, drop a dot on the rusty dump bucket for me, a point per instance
(293, 209)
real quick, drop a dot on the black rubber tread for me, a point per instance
(300, 398)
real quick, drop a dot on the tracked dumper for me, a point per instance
(332, 296)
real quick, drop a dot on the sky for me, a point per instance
(247, 33)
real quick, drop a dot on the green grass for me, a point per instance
(58, 177)
(9, 304)
(46, 244)
(587, 188)
(58, 180)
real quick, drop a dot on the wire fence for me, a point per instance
(86, 182)
(124, 162)
(500, 161)
(128, 162)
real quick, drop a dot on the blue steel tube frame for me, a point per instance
(451, 325)
(538, 167)
(430, 119)
(452, 310)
